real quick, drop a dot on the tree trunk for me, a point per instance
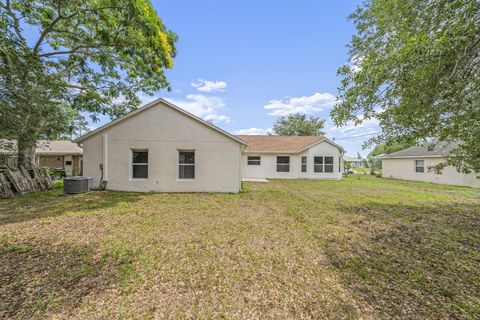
(26, 153)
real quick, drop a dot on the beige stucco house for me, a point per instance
(161, 147)
(413, 164)
(54, 154)
(291, 157)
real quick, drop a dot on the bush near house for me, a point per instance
(360, 248)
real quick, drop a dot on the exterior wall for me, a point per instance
(163, 131)
(51, 162)
(405, 169)
(268, 167)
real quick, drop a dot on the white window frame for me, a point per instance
(138, 164)
(194, 164)
(254, 162)
(282, 164)
(416, 166)
(303, 165)
(323, 165)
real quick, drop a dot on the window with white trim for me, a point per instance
(317, 164)
(186, 164)
(322, 164)
(419, 166)
(283, 164)
(328, 164)
(253, 160)
(139, 164)
(304, 164)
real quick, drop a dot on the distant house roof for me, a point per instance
(149, 105)
(282, 144)
(44, 147)
(439, 149)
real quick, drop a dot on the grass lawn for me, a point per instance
(360, 248)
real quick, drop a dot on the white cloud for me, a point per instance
(216, 118)
(254, 131)
(205, 107)
(306, 104)
(209, 86)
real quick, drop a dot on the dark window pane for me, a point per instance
(419, 166)
(186, 172)
(318, 160)
(140, 172)
(328, 160)
(139, 156)
(318, 168)
(187, 157)
(304, 164)
(253, 160)
(329, 168)
(283, 164)
(283, 159)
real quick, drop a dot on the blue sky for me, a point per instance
(242, 64)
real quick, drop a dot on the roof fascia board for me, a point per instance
(148, 106)
(410, 157)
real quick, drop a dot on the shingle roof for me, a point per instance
(280, 144)
(441, 148)
(45, 147)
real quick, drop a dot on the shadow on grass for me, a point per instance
(37, 278)
(54, 203)
(412, 261)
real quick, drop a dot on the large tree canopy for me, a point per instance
(298, 125)
(61, 57)
(416, 70)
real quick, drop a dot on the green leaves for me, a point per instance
(91, 55)
(298, 125)
(418, 71)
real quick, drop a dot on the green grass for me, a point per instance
(360, 248)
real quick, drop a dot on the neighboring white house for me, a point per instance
(291, 157)
(413, 163)
(161, 147)
(355, 162)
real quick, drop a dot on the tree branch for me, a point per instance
(76, 50)
(51, 26)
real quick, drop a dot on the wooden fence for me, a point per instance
(23, 180)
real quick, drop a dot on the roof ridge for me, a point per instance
(150, 105)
